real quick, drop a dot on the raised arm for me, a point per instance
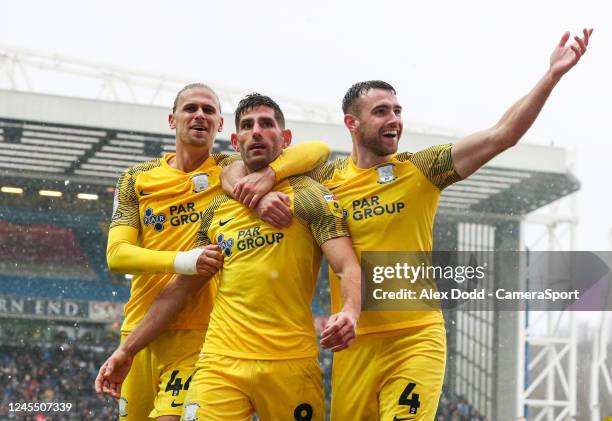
(341, 327)
(475, 150)
(162, 312)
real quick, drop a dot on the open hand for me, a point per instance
(340, 331)
(564, 57)
(113, 372)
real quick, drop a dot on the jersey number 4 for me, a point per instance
(175, 384)
(410, 401)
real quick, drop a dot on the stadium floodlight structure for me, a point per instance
(58, 143)
(553, 367)
(599, 367)
(548, 389)
(599, 364)
(36, 71)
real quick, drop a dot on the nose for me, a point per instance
(200, 113)
(256, 129)
(395, 119)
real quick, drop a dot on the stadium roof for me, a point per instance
(48, 139)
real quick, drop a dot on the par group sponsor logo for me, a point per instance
(371, 207)
(184, 213)
(225, 245)
(156, 220)
(253, 238)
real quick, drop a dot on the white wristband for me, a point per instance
(185, 262)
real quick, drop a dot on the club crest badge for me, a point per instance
(200, 182)
(123, 407)
(190, 413)
(386, 173)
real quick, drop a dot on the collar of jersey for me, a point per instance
(356, 168)
(206, 165)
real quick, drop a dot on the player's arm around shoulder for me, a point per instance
(249, 189)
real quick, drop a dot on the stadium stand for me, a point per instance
(53, 370)
(42, 251)
(64, 259)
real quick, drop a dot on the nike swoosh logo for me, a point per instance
(221, 223)
(174, 405)
(144, 193)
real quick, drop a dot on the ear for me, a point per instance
(221, 125)
(234, 140)
(286, 138)
(351, 122)
(171, 121)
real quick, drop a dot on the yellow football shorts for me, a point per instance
(159, 377)
(394, 375)
(226, 388)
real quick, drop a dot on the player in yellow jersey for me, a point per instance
(260, 350)
(395, 368)
(158, 209)
(276, 270)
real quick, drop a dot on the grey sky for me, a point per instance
(454, 64)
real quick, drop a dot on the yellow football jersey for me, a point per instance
(166, 206)
(390, 207)
(262, 308)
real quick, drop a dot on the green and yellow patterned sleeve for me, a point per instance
(319, 208)
(324, 173)
(224, 159)
(202, 237)
(125, 204)
(436, 163)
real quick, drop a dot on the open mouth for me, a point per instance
(257, 147)
(390, 134)
(200, 129)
